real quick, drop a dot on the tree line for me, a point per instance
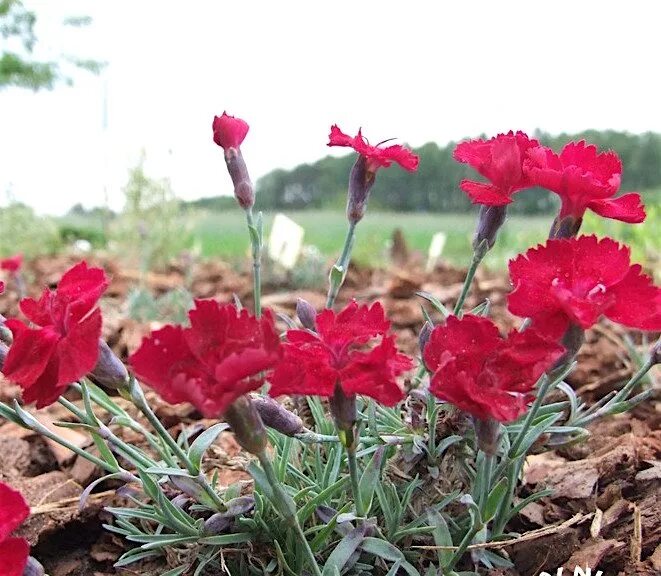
(435, 186)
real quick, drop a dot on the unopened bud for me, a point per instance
(565, 227)
(276, 416)
(343, 409)
(217, 524)
(109, 371)
(487, 433)
(6, 335)
(248, 428)
(180, 500)
(243, 188)
(425, 334)
(33, 568)
(361, 181)
(4, 350)
(489, 221)
(306, 314)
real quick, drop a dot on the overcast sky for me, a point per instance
(416, 70)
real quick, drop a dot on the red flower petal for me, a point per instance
(584, 178)
(482, 373)
(305, 369)
(376, 157)
(212, 363)
(78, 349)
(375, 373)
(12, 264)
(500, 160)
(228, 131)
(14, 554)
(471, 336)
(487, 194)
(29, 353)
(626, 208)
(643, 310)
(314, 363)
(13, 510)
(577, 280)
(165, 363)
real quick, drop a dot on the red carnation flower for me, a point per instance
(482, 373)
(376, 157)
(12, 264)
(577, 280)
(338, 353)
(584, 179)
(14, 552)
(222, 356)
(65, 346)
(499, 160)
(228, 131)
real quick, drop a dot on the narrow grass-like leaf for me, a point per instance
(203, 442)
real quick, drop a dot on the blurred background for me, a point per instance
(106, 111)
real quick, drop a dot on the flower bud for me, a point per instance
(655, 353)
(4, 350)
(248, 428)
(343, 409)
(217, 524)
(425, 333)
(6, 335)
(33, 568)
(109, 371)
(361, 181)
(487, 433)
(306, 314)
(565, 227)
(243, 188)
(276, 416)
(489, 221)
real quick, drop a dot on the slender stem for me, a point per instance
(621, 396)
(339, 271)
(199, 478)
(287, 509)
(485, 485)
(478, 255)
(459, 552)
(355, 486)
(256, 244)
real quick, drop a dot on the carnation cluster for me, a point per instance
(321, 497)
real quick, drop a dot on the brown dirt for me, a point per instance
(607, 490)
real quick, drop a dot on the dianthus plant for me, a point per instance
(394, 465)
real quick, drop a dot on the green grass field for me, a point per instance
(224, 234)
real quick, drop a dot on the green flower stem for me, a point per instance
(339, 270)
(478, 256)
(200, 479)
(33, 424)
(287, 508)
(513, 466)
(256, 244)
(621, 396)
(104, 432)
(477, 525)
(353, 473)
(310, 437)
(485, 472)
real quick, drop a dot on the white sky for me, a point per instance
(417, 70)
